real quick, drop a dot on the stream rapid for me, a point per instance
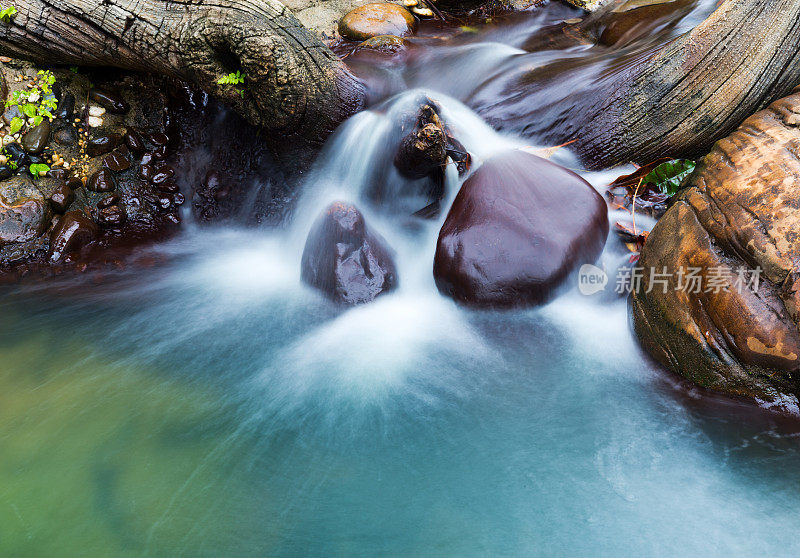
(203, 401)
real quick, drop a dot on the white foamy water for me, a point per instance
(213, 405)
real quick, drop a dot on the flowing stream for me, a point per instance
(204, 402)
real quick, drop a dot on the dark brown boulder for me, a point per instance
(734, 329)
(344, 259)
(72, 232)
(517, 228)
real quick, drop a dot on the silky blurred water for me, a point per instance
(209, 404)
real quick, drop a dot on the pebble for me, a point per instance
(116, 161)
(169, 186)
(61, 198)
(35, 140)
(159, 138)
(66, 108)
(94, 110)
(75, 183)
(160, 152)
(5, 172)
(102, 181)
(134, 141)
(113, 102)
(108, 201)
(101, 145)
(146, 171)
(112, 216)
(162, 174)
(95, 121)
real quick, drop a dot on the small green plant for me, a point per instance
(233, 78)
(36, 102)
(8, 14)
(38, 168)
(12, 164)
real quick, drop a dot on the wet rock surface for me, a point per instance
(345, 260)
(34, 141)
(72, 232)
(516, 230)
(86, 165)
(24, 212)
(372, 20)
(738, 220)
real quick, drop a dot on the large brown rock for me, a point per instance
(738, 220)
(344, 259)
(371, 20)
(24, 213)
(517, 228)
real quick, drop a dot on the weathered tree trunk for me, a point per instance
(697, 88)
(295, 87)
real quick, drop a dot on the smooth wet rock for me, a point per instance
(61, 198)
(516, 230)
(18, 155)
(102, 181)
(35, 140)
(102, 144)
(169, 186)
(5, 172)
(162, 174)
(371, 20)
(735, 327)
(116, 161)
(344, 259)
(111, 101)
(108, 201)
(111, 217)
(133, 140)
(72, 232)
(24, 213)
(66, 107)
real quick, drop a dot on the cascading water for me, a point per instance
(211, 404)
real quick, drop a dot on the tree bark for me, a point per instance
(698, 88)
(295, 87)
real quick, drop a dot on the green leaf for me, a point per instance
(29, 110)
(667, 177)
(8, 14)
(234, 78)
(16, 124)
(37, 120)
(36, 168)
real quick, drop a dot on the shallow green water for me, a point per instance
(183, 411)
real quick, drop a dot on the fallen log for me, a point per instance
(294, 86)
(697, 88)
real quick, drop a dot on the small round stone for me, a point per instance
(371, 20)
